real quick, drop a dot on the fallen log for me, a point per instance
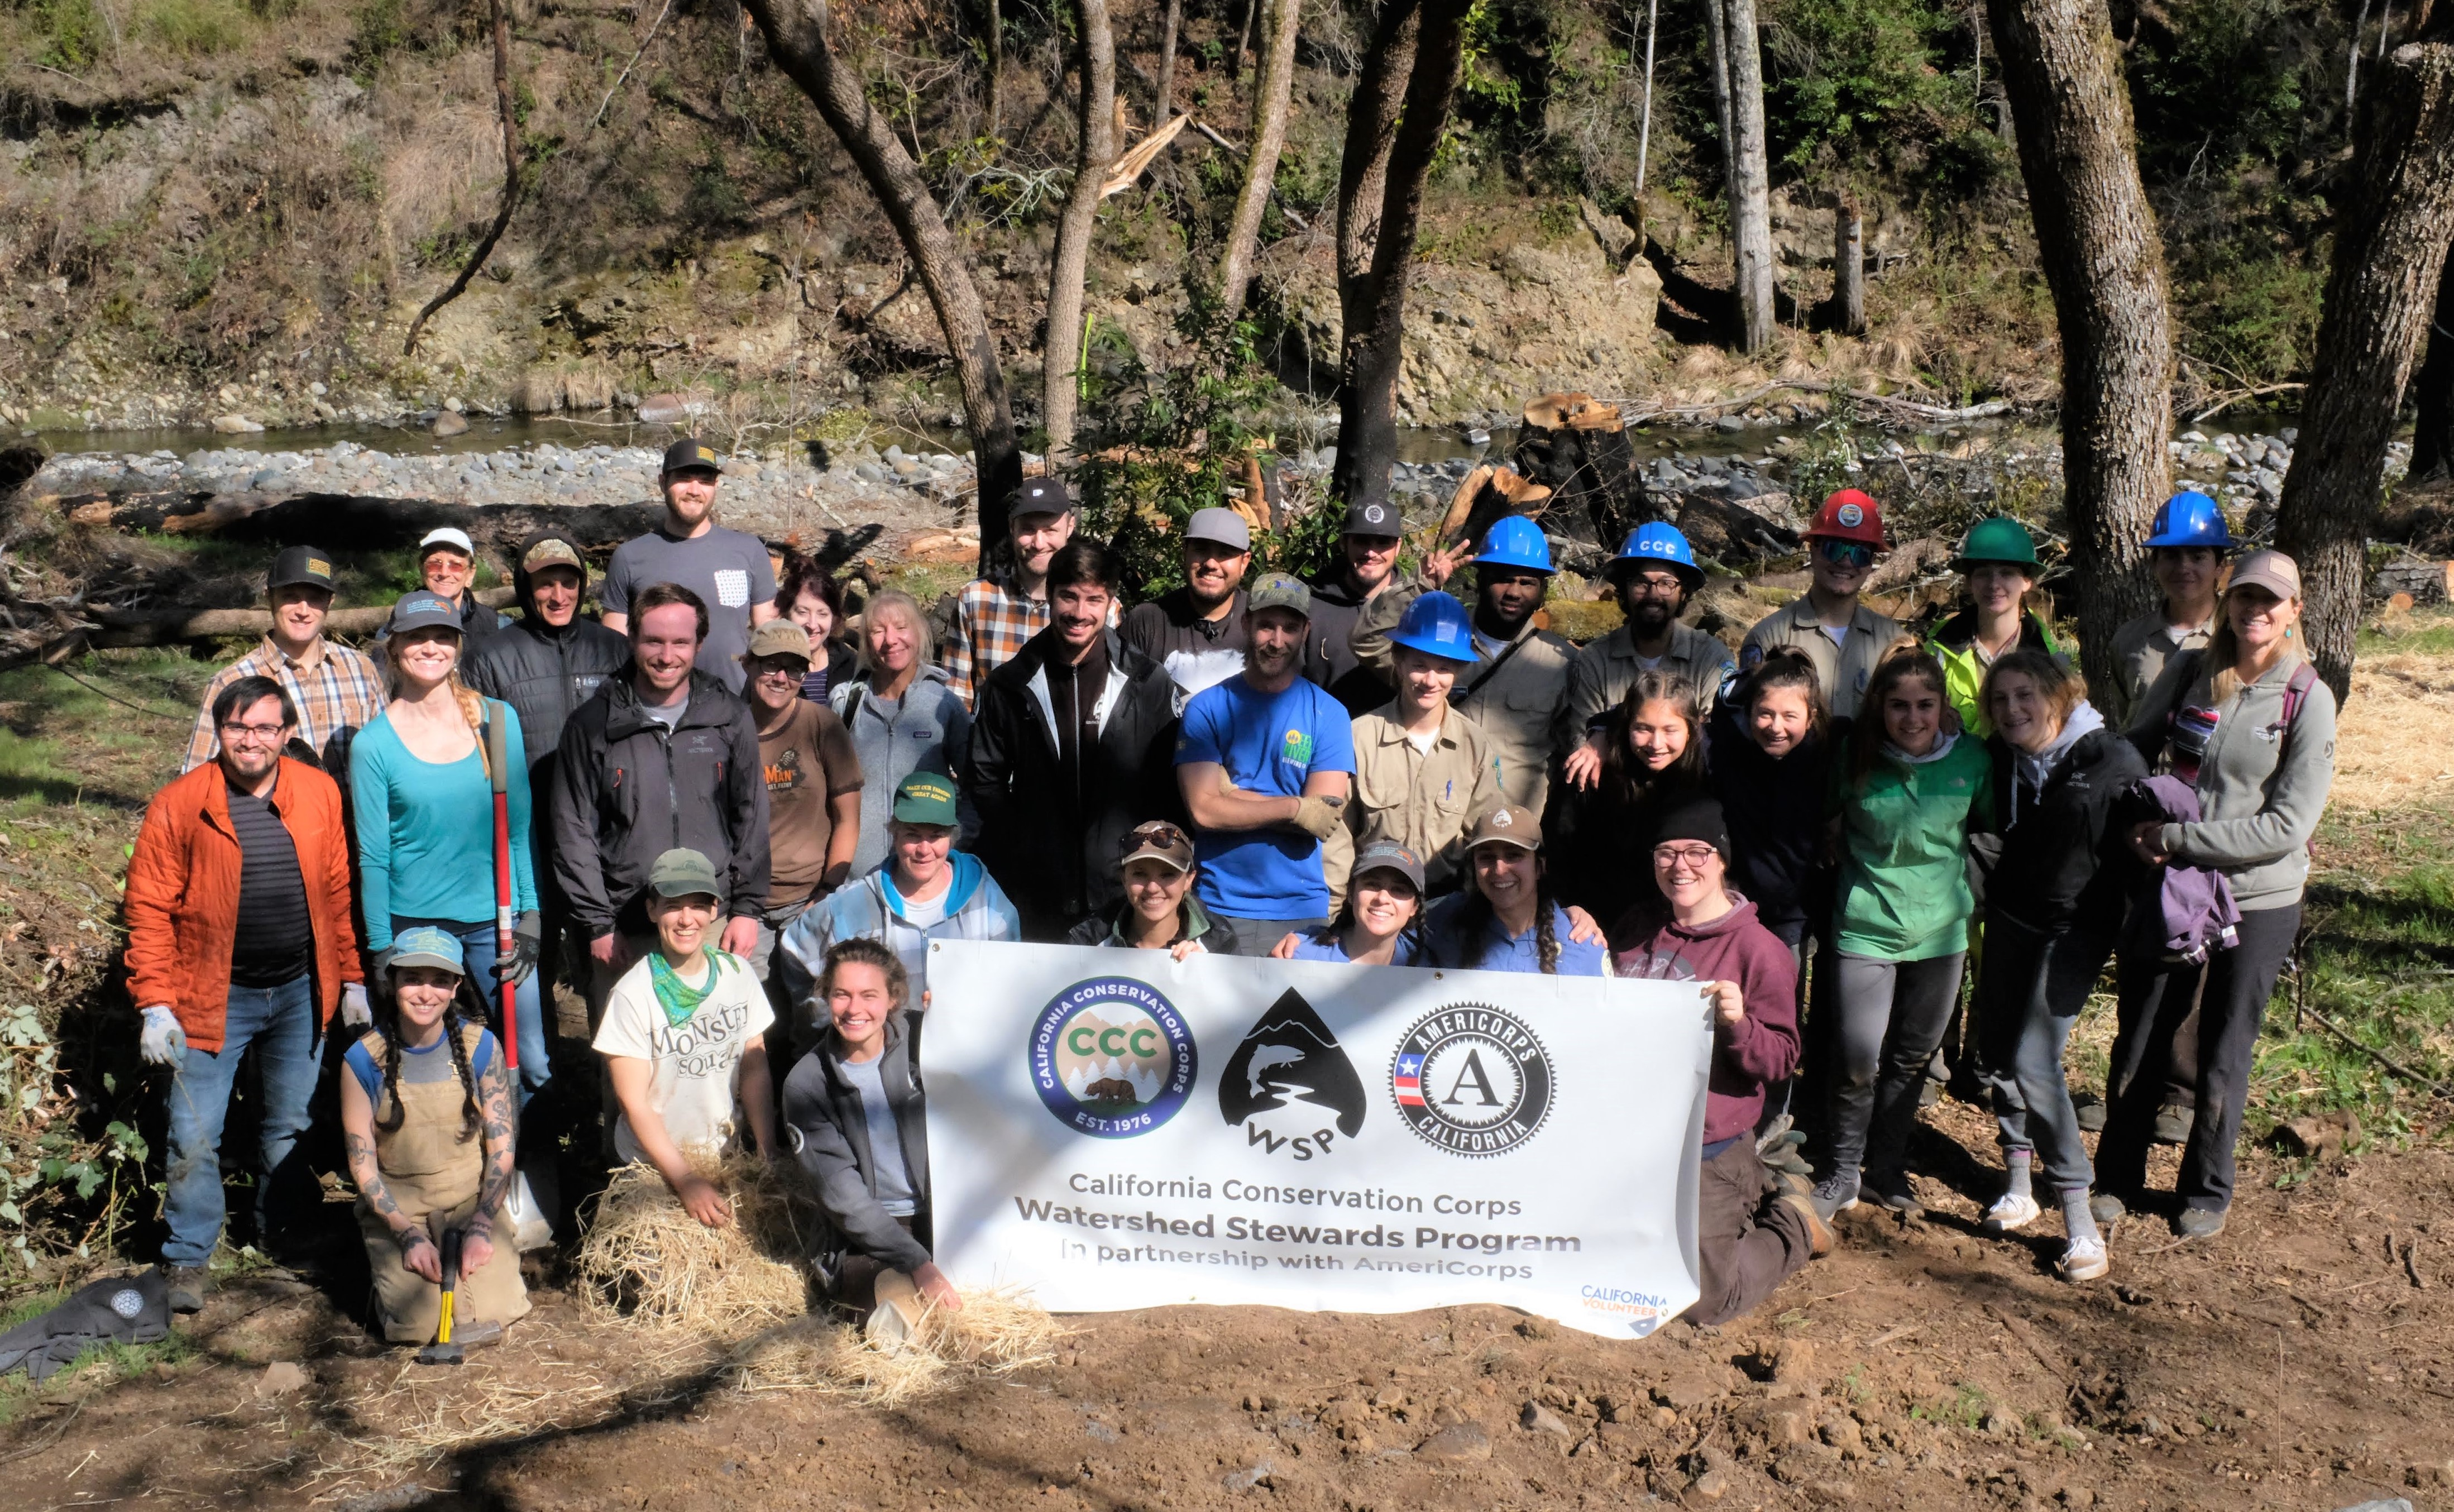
(361, 521)
(114, 629)
(1942, 415)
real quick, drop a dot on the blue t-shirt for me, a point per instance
(1270, 743)
(1495, 951)
(433, 1063)
(1312, 947)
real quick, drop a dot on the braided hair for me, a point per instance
(1474, 915)
(455, 1018)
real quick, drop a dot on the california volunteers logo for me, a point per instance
(1111, 1057)
(1470, 1080)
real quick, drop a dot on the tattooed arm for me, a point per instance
(495, 1115)
(417, 1249)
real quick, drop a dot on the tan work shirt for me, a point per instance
(1844, 669)
(1425, 800)
(1606, 668)
(2141, 648)
(1519, 705)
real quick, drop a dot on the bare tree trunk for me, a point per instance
(2432, 432)
(1849, 267)
(1645, 123)
(2390, 250)
(1243, 42)
(995, 91)
(1167, 30)
(1750, 181)
(1371, 130)
(2104, 263)
(2352, 62)
(510, 181)
(1372, 314)
(1716, 25)
(1272, 89)
(796, 36)
(1097, 133)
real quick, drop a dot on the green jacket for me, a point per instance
(1904, 893)
(1964, 666)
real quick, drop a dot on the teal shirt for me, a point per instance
(1904, 877)
(426, 830)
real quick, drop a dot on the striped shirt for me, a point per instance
(993, 619)
(274, 942)
(335, 697)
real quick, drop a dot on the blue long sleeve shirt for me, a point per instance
(425, 832)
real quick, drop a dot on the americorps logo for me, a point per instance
(1472, 1079)
(1111, 1057)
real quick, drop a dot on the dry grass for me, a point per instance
(648, 1261)
(993, 1334)
(2391, 749)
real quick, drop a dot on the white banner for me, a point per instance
(1113, 1129)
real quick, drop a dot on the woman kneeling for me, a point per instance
(855, 1117)
(425, 1084)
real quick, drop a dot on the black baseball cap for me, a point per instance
(309, 566)
(691, 455)
(1040, 496)
(1368, 518)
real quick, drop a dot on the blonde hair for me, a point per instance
(2223, 652)
(471, 703)
(924, 638)
(2059, 685)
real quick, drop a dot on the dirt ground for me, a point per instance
(2301, 1361)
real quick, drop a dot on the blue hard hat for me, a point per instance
(1661, 545)
(1435, 625)
(1515, 541)
(2190, 518)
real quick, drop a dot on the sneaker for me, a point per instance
(2173, 1123)
(2091, 1112)
(2084, 1259)
(1835, 1193)
(189, 1287)
(2106, 1209)
(1818, 1230)
(2012, 1210)
(2199, 1223)
(1893, 1193)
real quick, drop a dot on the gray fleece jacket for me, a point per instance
(2262, 787)
(828, 1133)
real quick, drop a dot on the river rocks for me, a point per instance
(449, 423)
(235, 425)
(663, 409)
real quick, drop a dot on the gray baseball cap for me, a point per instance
(1388, 856)
(684, 874)
(1223, 526)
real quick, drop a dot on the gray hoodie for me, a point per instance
(928, 729)
(2262, 786)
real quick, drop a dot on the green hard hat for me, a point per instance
(1998, 540)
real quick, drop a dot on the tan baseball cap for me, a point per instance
(1160, 841)
(2273, 570)
(1507, 825)
(778, 638)
(552, 552)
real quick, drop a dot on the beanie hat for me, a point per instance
(1696, 819)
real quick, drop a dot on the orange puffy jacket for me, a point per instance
(183, 895)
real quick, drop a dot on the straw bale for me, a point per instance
(994, 1333)
(646, 1260)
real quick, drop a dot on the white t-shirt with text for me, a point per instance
(694, 1067)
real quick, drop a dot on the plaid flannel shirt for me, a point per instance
(992, 620)
(334, 697)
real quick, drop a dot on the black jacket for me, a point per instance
(1775, 812)
(1599, 846)
(828, 1133)
(1329, 659)
(1050, 841)
(626, 791)
(543, 672)
(2064, 860)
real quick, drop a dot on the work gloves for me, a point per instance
(521, 964)
(1317, 818)
(354, 1012)
(164, 1044)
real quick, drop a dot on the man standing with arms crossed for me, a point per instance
(728, 571)
(663, 759)
(332, 689)
(1265, 762)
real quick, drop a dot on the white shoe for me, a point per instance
(2084, 1259)
(2012, 1210)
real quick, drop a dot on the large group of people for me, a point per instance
(734, 814)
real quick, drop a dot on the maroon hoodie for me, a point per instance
(1759, 1048)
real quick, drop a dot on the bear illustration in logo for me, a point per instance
(1290, 1055)
(1113, 1089)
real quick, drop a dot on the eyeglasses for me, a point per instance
(777, 667)
(1691, 856)
(1845, 553)
(253, 732)
(1655, 585)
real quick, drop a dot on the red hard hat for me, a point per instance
(1849, 515)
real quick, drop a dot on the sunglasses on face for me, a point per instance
(1845, 553)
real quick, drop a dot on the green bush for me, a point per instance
(196, 28)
